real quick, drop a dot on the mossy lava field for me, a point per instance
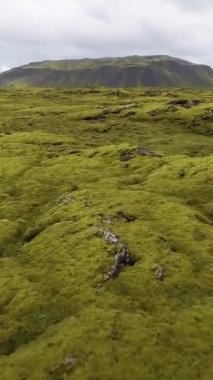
(106, 247)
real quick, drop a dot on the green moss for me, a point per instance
(63, 184)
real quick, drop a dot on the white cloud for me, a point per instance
(4, 68)
(32, 30)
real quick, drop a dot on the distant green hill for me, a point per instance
(135, 71)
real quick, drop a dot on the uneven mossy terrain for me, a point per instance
(71, 172)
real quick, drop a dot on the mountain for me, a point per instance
(134, 71)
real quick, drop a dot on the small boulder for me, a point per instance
(146, 152)
(69, 362)
(125, 216)
(65, 199)
(65, 367)
(160, 273)
(155, 112)
(126, 156)
(186, 103)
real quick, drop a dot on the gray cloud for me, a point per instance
(33, 30)
(194, 5)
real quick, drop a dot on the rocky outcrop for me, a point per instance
(140, 151)
(186, 103)
(123, 256)
(146, 152)
(64, 368)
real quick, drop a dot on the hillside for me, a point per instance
(106, 234)
(135, 71)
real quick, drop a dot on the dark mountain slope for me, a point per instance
(132, 71)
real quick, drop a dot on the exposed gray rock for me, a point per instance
(69, 362)
(126, 156)
(66, 199)
(125, 216)
(160, 273)
(88, 203)
(65, 367)
(155, 112)
(110, 237)
(101, 116)
(186, 103)
(146, 152)
(104, 218)
(122, 258)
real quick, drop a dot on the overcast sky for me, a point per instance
(34, 30)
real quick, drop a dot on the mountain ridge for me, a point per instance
(130, 71)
